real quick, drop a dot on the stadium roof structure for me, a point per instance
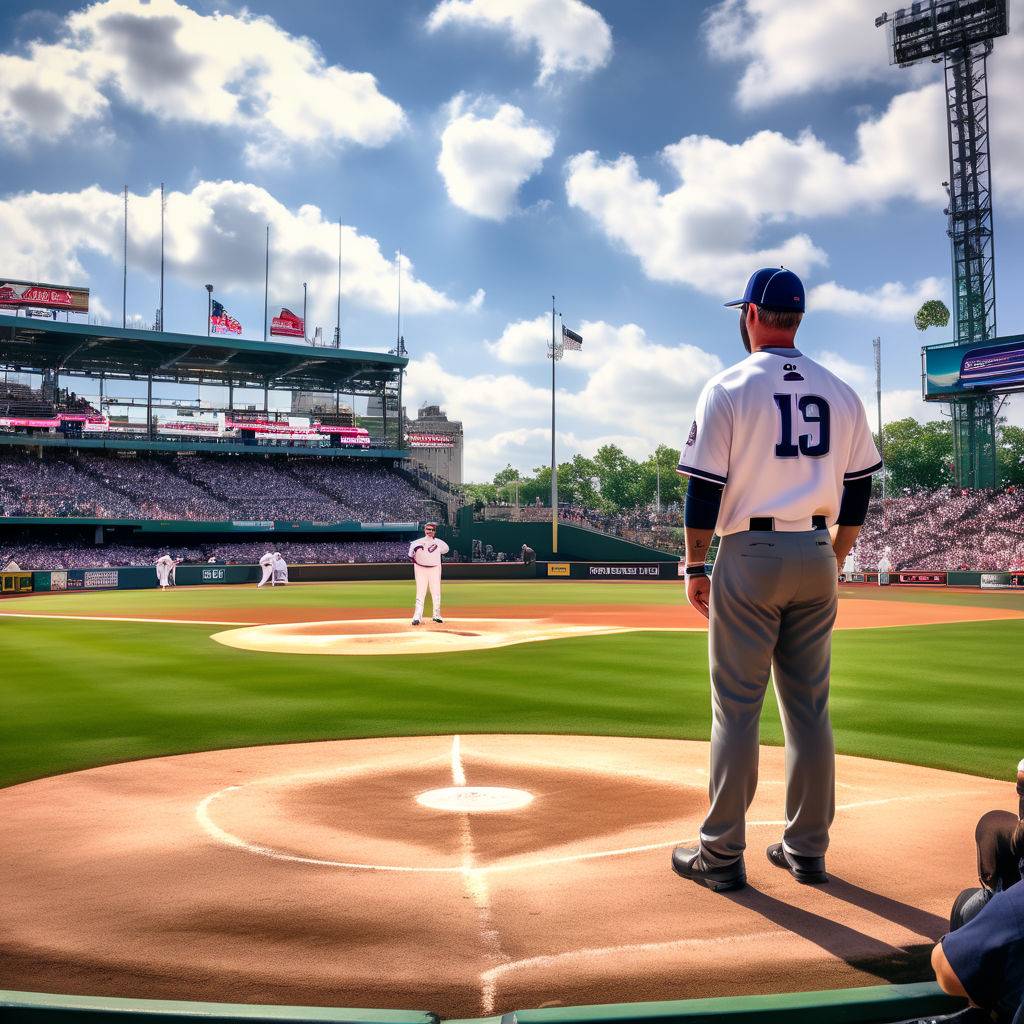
(89, 350)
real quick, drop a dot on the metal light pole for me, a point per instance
(305, 333)
(876, 344)
(556, 354)
(124, 285)
(209, 307)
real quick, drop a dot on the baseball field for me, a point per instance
(247, 795)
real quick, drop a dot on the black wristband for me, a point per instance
(696, 570)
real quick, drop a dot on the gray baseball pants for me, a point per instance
(773, 606)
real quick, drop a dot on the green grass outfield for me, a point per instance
(75, 694)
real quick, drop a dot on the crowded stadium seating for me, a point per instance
(947, 529)
(205, 487)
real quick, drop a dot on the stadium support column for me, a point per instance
(972, 238)
(149, 406)
(266, 396)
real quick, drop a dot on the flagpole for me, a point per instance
(554, 463)
(266, 286)
(162, 205)
(124, 285)
(398, 329)
(337, 325)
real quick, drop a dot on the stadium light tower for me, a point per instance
(960, 33)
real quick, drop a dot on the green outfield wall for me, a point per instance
(575, 543)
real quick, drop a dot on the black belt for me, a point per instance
(766, 524)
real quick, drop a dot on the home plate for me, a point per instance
(475, 799)
(391, 636)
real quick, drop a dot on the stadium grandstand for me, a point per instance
(117, 445)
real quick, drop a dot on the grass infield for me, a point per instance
(76, 694)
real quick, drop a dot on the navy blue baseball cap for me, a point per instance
(774, 288)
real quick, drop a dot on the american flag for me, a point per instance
(571, 340)
(222, 322)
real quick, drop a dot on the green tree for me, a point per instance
(1010, 453)
(917, 455)
(932, 313)
(664, 460)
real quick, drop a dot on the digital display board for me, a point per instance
(983, 366)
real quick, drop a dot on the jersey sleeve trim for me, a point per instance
(701, 474)
(857, 474)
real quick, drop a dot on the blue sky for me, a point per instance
(638, 160)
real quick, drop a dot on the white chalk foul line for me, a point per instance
(120, 618)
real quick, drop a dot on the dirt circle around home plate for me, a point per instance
(465, 875)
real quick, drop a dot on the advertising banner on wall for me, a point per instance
(922, 579)
(416, 440)
(16, 294)
(994, 365)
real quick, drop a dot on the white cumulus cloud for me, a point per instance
(792, 47)
(890, 301)
(624, 388)
(801, 47)
(569, 35)
(712, 228)
(484, 160)
(213, 233)
(161, 57)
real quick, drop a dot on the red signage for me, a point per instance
(430, 440)
(15, 294)
(288, 324)
(922, 579)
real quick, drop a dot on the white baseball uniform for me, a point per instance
(884, 568)
(163, 570)
(805, 420)
(784, 436)
(280, 571)
(426, 554)
(267, 567)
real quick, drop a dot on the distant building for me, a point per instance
(335, 409)
(436, 443)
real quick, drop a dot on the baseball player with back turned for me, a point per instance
(426, 555)
(779, 453)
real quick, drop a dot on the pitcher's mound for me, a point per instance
(391, 636)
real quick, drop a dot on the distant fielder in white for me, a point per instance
(267, 565)
(164, 566)
(884, 568)
(426, 560)
(280, 570)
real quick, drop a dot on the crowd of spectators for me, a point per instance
(941, 530)
(947, 529)
(206, 487)
(30, 555)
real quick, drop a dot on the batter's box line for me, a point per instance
(215, 832)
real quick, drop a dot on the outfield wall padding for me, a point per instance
(575, 543)
(144, 577)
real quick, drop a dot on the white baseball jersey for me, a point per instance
(267, 560)
(428, 550)
(783, 434)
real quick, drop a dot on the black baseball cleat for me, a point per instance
(415, 622)
(807, 870)
(437, 618)
(687, 862)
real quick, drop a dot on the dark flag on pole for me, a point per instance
(222, 322)
(571, 340)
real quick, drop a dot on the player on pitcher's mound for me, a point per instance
(426, 561)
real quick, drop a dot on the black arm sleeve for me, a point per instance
(854, 507)
(703, 500)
